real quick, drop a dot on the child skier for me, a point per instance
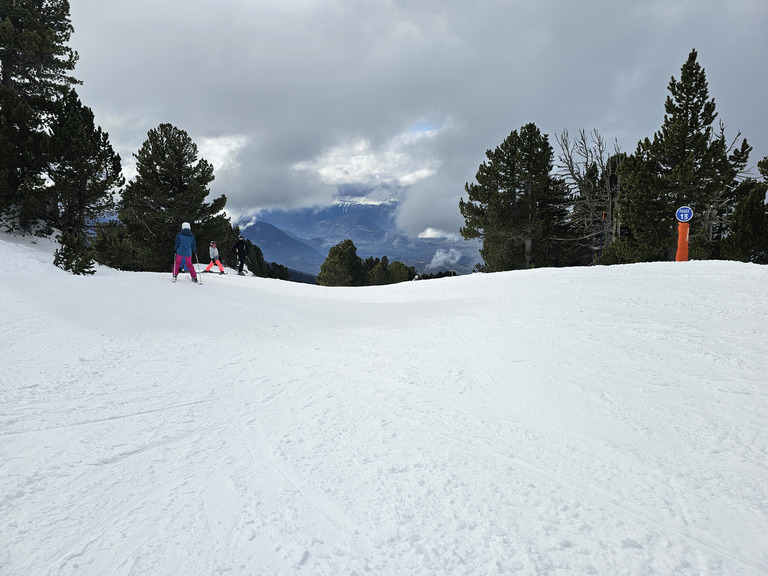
(184, 247)
(214, 252)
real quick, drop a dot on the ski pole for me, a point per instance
(250, 266)
(198, 276)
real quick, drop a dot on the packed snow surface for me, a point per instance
(604, 420)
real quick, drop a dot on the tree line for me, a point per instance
(343, 267)
(602, 207)
(58, 169)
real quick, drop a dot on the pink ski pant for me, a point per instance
(188, 261)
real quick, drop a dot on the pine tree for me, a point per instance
(35, 60)
(258, 266)
(170, 187)
(278, 271)
(23, 145)
(113, 247)
(380, 271)
(517, 208)
(35, 63)
(376, 271)
(748, 234)
(687, 163)
(85, 172)
(75, 253)
(399, 272)
(342, 267)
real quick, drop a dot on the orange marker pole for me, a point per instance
(682, 242)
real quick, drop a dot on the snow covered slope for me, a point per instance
(607, 420)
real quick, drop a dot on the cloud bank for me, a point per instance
(292, 99)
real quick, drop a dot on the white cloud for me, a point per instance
(222, 151)
(444, 259)
(437, 233)
(403, 160)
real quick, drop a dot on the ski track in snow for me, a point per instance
(591, 421)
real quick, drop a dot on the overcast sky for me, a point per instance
(291, 98)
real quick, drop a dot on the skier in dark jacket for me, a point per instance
(241, 249)
(184, 247)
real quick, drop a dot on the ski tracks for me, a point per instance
(570, 493)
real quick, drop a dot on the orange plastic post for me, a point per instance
(682, 242)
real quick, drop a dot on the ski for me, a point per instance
(199, 283)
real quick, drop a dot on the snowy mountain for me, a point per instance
(371, 226)
(284, 248)
(604, 420)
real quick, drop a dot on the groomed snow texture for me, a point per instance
(603, 420)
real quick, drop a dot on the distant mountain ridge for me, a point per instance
(283, 248)
(334, 223)
(300, 239)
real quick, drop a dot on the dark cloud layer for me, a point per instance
(292, 98)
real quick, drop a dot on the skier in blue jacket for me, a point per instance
(184, 247)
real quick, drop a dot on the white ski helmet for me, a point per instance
(185, 226)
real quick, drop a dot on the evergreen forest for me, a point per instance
(597, 206)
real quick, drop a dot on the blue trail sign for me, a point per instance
(684, 214)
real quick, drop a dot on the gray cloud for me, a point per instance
(290, 98)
